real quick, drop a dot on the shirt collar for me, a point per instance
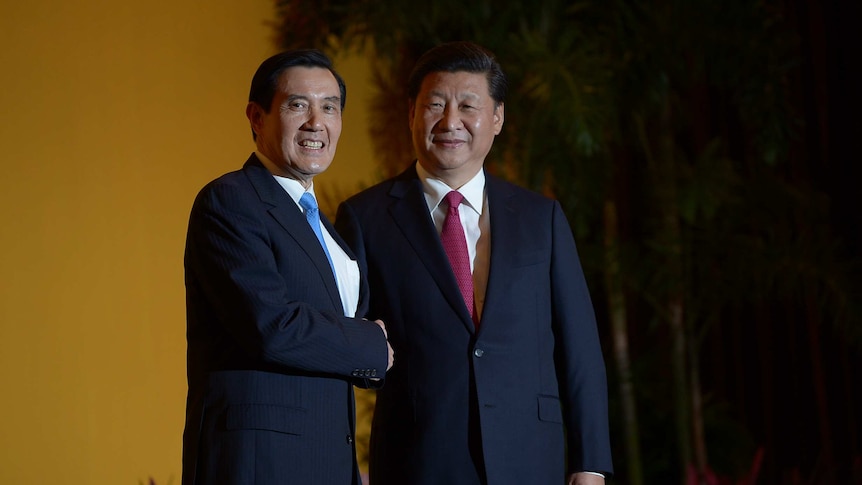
(435, 189)
(293, 188)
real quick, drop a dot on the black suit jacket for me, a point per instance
(521, 400)
(271, 357)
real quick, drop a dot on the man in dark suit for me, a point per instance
(500, 377)
(271, 293)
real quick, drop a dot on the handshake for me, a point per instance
(391, 357)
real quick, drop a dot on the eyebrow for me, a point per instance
(331, 99)
(460, 97)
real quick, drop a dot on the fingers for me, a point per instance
(391, 358)
(383, 326)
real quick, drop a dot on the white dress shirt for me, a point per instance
(473, 212)
(346, 269)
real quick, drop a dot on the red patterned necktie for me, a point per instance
(455, 245)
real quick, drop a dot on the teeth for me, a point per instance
(311, 144)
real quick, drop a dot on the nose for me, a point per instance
(451, 118)
(314, 122)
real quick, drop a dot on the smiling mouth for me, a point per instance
(449, 143)
(312, 144)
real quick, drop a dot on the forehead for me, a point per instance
(459, 84)
(308, 81)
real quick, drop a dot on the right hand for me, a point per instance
(391, 358)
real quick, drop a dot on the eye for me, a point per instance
(298, 106)
(330, 108)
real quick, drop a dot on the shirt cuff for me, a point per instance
(595, 473)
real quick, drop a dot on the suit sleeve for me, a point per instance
(348, 228)
(580, 363)
(265, 308)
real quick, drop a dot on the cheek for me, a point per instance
(483, 127)
(288, 126)
(422, 135)
(334, 133)
(427, 123)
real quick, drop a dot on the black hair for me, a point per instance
(459, 56)
(265, 80)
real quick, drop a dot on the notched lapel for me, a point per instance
(291, 218)
(505, 242)
(411, 215)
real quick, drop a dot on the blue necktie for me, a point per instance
(308, 203)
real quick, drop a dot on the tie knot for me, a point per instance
(308, 202)
(454, 199)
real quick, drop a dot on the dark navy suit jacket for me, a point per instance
(521, 400)
(271, 357)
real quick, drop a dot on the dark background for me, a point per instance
(755, 237)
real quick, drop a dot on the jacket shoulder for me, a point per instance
(392, 188)
(375, 192)
(500, 189)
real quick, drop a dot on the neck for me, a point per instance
(454, 178)
(303, 179)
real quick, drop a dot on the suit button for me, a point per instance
(478, 352)
(349, 440)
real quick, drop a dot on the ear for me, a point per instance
(499, 115)
(254, 113)
(411, 113)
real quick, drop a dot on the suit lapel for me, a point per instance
(410, 213)
(504, 240)
(290, 217)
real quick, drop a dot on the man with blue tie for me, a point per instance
(500, 378)
(272, 294)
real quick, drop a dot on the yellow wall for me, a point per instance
(112, 116)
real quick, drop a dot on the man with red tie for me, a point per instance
(500, 377)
